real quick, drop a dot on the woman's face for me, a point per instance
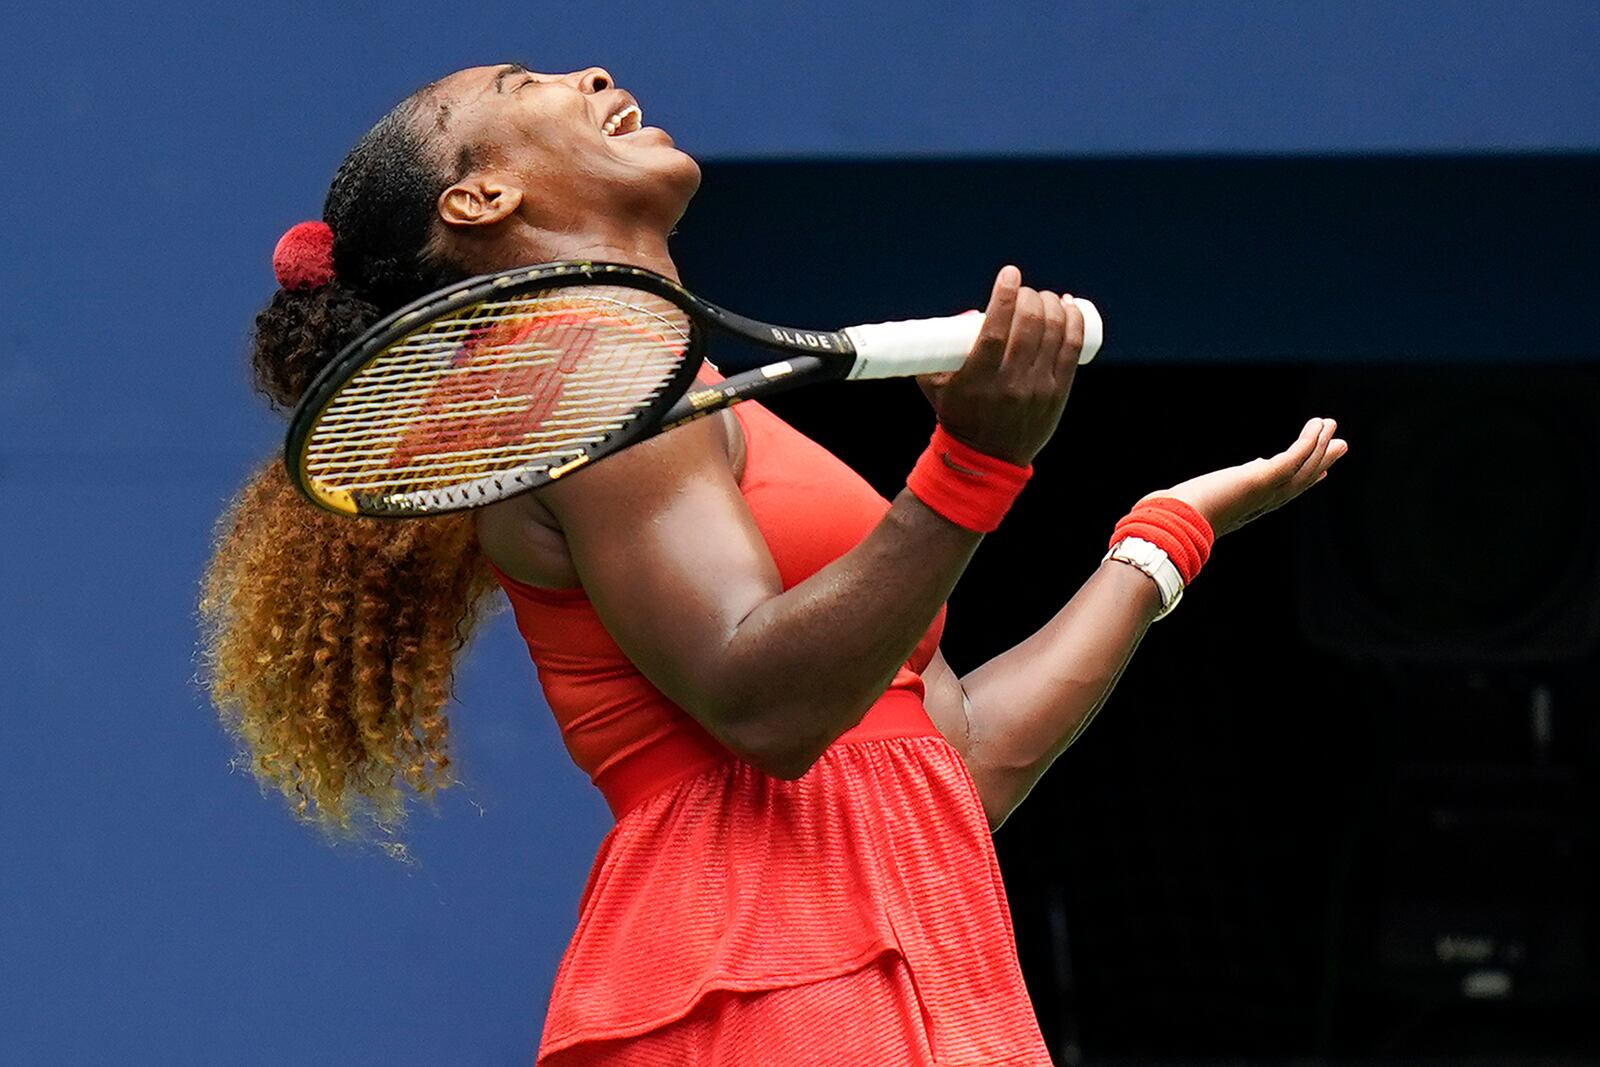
(576, 142)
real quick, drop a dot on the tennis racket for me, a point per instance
(509, 381)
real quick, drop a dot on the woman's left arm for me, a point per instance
(1014, 715)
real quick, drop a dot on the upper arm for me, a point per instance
(946, 702)
(951, 711)
(669, 555)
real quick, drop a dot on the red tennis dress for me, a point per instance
(854, 916)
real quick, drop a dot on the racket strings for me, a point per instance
(668, 321)
(509, 387)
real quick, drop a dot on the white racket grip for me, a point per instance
(926, 346)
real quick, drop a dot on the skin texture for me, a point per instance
(775, 674)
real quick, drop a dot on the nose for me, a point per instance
(594, 79)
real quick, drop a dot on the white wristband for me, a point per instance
(1137, 552)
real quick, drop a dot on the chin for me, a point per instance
(679, 180)
(662, 181)
(690, 173)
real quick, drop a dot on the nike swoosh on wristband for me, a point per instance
(958, 468)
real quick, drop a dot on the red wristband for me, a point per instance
(1174, 527)
(966, 486)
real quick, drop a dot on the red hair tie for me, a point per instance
(303, 258)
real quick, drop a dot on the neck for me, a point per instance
(636, 248)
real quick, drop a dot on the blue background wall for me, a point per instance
(153, 907)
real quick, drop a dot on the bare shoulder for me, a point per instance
(524, 537)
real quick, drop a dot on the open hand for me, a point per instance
(1233, 496)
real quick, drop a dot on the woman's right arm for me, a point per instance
(672, 560)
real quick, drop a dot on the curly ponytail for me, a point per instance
(298, 331)
(329, 642)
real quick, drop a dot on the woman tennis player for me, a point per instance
(738, 637)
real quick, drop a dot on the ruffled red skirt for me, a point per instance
(853, 916)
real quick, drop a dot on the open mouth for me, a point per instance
(627, 120)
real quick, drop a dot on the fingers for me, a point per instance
(990, 348)
(1030, 333)
(1066, 357)
(1314, 462)
(1337, 448)
(1027, 328)
(1286, 464)
(1051, 338)
(1325, 451)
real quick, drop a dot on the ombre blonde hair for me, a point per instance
(329, 646)
(329, 643)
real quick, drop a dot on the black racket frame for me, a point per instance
(813, 356)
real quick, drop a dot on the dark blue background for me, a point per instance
(154, 908)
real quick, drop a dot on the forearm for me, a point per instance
(1028, 704)
(1025, 707)
(805, 665)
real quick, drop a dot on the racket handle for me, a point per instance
(926, 346)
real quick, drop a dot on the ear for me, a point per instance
(479, 200)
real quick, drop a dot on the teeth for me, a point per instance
(625, 121)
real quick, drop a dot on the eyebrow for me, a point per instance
(505, 72)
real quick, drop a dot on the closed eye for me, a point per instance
(506, 72)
